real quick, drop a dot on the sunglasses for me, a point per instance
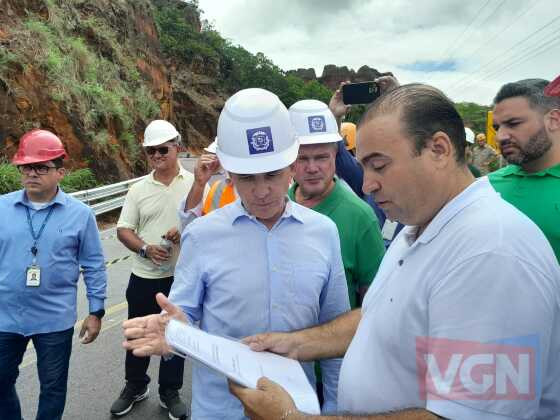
(162, 150)
(39, 169)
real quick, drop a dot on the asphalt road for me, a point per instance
(96, 375)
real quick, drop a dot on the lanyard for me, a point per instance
(36, 237)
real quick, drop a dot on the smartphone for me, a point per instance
(360, 93)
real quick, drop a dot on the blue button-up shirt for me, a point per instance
(70, 239)
(237, 278)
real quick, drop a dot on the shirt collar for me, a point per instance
(328, 203)
(59, 198)
(290, 211)
(469, 195)
(182, 174)
(519, 171)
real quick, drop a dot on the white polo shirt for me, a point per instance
(150, 209)
(481, 272)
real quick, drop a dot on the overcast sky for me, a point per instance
(468, 48)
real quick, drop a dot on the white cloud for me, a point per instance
(388, 35)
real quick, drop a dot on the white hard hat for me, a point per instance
(255, 134)
(211, 148)
(469, 134)
(158, 132)
(314, 122)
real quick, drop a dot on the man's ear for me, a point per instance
(552, 120)
(440, 148)
(292, 169)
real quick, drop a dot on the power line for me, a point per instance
(503, 29)
(508, 61)
(490, 16)
(521, 60)
(466, 78)
(448, 49)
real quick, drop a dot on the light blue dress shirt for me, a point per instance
(70, 239)
(237, 278)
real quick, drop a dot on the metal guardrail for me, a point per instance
(98, 198)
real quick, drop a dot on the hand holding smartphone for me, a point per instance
(360, 93)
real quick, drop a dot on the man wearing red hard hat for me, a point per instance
(47, 236)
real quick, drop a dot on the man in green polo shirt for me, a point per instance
(316, 187)
(527, 123)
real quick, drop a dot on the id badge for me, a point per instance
(389, 229)
(33, 276)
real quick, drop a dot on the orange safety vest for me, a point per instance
(221, 194)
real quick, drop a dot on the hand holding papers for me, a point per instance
(242, 365)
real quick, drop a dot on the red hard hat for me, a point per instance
(38, 146)
(553, 88)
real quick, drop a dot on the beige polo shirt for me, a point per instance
(150, 209)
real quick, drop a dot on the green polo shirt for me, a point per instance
(536, 194)
(360, 238)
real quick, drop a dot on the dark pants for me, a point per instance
(53, 357)
(141, 298)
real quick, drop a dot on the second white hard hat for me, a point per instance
(314, 122)
(158, 132)
(469, 135)
(255, 134)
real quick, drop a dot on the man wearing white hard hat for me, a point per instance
(469, 136)
(262, 263)
(148, 221)
(317, 188)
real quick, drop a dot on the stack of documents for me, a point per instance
(239, 363)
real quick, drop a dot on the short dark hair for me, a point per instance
(58, 162)
(424, 110)
(532, 90)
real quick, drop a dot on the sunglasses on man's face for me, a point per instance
(162, 150)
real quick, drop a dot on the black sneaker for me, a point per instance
(128, 397)
(169, 399)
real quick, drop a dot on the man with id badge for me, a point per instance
(46, 236)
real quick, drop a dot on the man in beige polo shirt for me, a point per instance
(149, 219)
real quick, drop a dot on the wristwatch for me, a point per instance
(142, 251)
(99, 314)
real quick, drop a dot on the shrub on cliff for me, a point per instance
(78, 180)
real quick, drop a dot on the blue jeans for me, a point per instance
(53, 357)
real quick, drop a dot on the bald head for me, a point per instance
(424, 110)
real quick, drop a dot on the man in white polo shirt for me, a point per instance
(149, 216)
(462, 320)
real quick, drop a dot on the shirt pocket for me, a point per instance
(66, 244)
(308, 282)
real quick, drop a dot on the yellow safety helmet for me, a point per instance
(348, 131)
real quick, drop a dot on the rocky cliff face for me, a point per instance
(333, 75)
(94, 73)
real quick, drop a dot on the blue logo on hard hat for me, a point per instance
(317, 124)
(260, 140)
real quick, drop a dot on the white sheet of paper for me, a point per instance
(239, 363)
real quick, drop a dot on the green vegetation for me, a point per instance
(104, 88)
(473, 115)
(78, 180)
(239, 69)
(9, 178)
